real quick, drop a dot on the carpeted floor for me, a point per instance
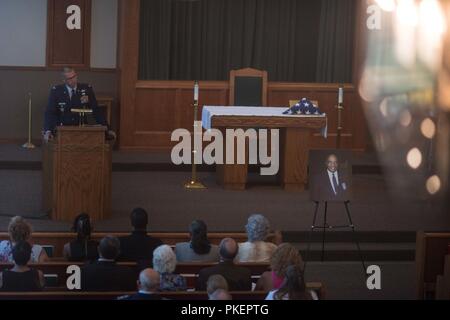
(151, 181)
(346, 281)
(172, 208)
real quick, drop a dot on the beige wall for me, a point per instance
(14, 88)
(23, 28)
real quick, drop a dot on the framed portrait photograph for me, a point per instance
(330, 175)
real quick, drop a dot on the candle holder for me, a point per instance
(29, 144)
(340, 109)
(194, 183)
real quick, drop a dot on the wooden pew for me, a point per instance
(188, 270)
(59, 239)
(180, 295)
(431, 249)
(443, 282)
(77, 295)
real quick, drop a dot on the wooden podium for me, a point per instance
(77, 173)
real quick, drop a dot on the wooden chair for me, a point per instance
(248, 87)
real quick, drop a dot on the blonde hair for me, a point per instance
(19, 229)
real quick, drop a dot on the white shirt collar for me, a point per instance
(69, 89)
(330, 176)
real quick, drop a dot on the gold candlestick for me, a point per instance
(193, 183)
(29, 144)
(340, 109)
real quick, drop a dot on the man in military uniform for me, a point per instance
(67, 96)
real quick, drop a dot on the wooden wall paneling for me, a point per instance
(64, 46)
(150, 110)
(163, 106)
(128, 65)
(155, 110)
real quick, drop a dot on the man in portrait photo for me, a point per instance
(330, 183)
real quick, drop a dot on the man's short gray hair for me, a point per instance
(257, 228)
(149, 279)
(164, 259)
(66, 70)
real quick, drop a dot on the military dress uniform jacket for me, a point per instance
(60, 103)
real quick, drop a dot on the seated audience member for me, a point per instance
(21, 277)
(105, 274)
(216, 281)
(293, 287)
(238, 278)
(217, 288)
(199, 248)
(256, 249)
(83, 248)
(148, 286)
(165, 262)
(220, 294)
(284, 256)
(20, 230)
(138, 246)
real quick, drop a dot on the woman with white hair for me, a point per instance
(256, 249)
(165, 262)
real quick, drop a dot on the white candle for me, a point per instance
(196, 91)
(341, 95)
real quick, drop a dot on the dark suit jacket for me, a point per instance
(238, 278)
(322, 189)
(107, 276)
(57, 114)
(138, 246)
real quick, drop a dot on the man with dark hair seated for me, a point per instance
(138, 246)
(238, 278)
(105, 274)
(21, 277)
